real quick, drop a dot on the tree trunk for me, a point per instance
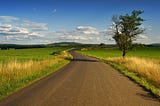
(124, 53)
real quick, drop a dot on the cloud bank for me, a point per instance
(34, 26)
(29, 32)
(88, 30)
(8, 19)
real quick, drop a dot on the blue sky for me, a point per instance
(84, 21)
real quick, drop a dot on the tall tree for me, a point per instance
(126, 28)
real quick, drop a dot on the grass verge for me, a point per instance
(148, 68)
(16, 78)
(142, 81)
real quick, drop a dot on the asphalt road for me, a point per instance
(83, 82)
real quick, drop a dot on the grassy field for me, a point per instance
(146, 52)
(141, 64)
(18, 68)
(35, 54)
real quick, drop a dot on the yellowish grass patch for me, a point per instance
(15, 69)
(149, 68)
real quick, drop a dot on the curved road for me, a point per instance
(83, 82)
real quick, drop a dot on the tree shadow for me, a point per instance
(148, 96)
(84, 60)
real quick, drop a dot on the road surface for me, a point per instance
(84, 82)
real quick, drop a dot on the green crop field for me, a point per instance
(145, 52)
(28, 54)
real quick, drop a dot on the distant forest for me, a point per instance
(67, 44)
(14, 46)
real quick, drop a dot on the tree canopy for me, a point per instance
(126, 28)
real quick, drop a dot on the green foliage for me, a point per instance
(126, 28)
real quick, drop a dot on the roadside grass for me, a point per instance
(138, 78)
(146, 67)
(17, 74)
(143, 69)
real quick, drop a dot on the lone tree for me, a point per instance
(125, 29)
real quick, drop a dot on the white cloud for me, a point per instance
(8, 19)
(78, 38)
(110, 31)
(28, 32)
(72, 36)
(35, 26)
(23, 35)
(8, 29)
(142, 36)
(14, 34)
(147, 27)
(88, 30)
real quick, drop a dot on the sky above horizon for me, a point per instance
(83, 21)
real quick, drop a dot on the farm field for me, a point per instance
(143, 62)
(34, 54)
(146, 52)
(20, 67)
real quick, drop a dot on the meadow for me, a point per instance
(141, 52)
(34, 54)
(141, 64)
(21, 67)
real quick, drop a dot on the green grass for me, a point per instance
(35, 54)
(146, 52)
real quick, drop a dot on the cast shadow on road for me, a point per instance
(83, 60)
(148, 96)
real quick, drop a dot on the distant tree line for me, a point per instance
(14, 46)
